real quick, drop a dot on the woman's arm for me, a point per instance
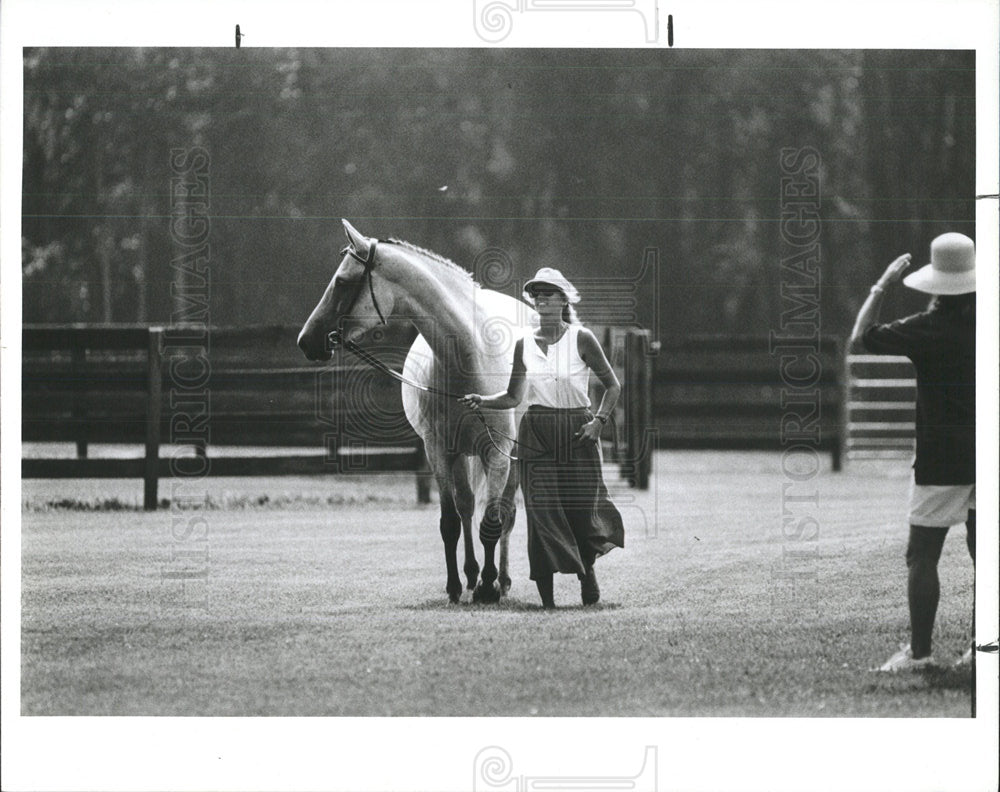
(504, 400)
(868, 315)
(593, 355)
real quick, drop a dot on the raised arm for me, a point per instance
(508, 399)
(868, 315)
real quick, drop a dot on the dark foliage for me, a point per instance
(580, 159)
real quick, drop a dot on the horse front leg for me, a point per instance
(451, 522)
(491, 527)
(451, 527)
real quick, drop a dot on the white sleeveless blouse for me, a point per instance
(559, 378)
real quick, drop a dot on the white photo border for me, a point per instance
(420, 754)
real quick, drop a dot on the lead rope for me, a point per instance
(371, 360)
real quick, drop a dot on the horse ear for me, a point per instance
(358, 240)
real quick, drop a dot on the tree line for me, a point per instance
(579, 159)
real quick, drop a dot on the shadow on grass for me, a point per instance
(950, 679)
(506, 604)
(939, 678)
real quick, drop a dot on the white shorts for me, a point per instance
(941, 506)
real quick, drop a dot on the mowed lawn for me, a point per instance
(325, 596)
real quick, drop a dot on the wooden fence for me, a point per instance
(746, 392)
(248, 387)
(881, 407)
(242, 387)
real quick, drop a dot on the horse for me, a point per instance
(465, 342)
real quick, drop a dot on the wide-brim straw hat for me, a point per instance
(952, 269)
(551, 277)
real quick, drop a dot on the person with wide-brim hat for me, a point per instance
(941, 343)
(571, 519)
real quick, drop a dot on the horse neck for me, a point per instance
(439, 302)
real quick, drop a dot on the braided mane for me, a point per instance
(436, 257)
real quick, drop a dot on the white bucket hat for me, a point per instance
(952, 269)
(552, 277)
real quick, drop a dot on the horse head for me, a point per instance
(356, 299)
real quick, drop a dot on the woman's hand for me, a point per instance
(471, 400)
(590, 432)
(894, 271)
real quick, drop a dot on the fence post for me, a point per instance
(79, 360)
(839, 440)
(154, 406)
(638, 406)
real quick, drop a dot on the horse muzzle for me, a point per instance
(315, 348)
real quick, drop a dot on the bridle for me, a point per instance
(369, 265)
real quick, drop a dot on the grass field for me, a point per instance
(325, 596)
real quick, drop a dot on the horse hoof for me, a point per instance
(504, 586)
(466, 598)
(486, 593)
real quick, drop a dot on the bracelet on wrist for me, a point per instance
(602, 418)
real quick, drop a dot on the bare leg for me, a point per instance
(923, 586)
(970, 542)
(970, 534)
(545, 591)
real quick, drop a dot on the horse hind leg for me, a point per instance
(508, 514)
(465, 502)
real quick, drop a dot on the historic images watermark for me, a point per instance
(186, 352)
(797, 347)
(494, 19)
(493, 770)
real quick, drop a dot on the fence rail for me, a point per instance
(881, 407)
(726, 392)
(115, 384)
(87, 384)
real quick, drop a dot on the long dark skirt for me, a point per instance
(571, 519)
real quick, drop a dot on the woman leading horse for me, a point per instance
(571, 520)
